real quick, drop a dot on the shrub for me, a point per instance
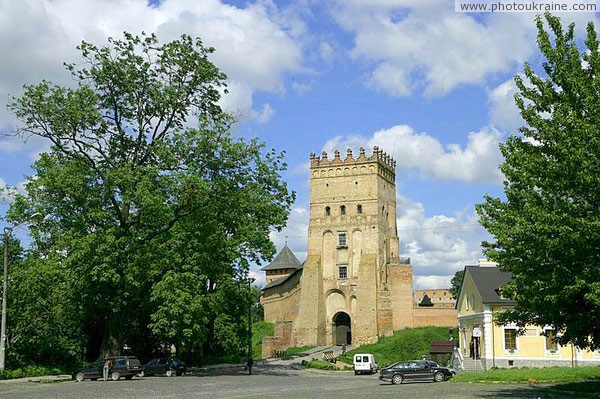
(29, 371)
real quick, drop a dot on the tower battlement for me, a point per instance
(377, 156)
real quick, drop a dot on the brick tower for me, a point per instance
(354, 286)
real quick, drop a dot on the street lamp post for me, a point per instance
(4, 289)
(250, 360)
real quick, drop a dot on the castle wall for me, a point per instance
(282, 306)
(401, 276)
(442, 317)
(279, 341)
(308, 327)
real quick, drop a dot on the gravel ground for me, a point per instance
(268, 381)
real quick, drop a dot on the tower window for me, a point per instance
(342, 243)
(343, 271)
(327, 211)
(343, 210)
(359, 208)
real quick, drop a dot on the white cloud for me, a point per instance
(256, 45)
(477, 161)
(413, 46)
(265, 114)
(295, 234)
(327, 52)
(437, 245)
(301, 88)
(6, 192)
(504, 113)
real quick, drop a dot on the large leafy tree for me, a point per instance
(547, 230)
(149, 202)
(456, 283)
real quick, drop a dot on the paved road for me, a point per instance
(267, 381)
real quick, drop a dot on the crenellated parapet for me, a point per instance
(377, 156)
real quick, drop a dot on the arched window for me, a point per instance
(343, 210)
(327, 211)
(359, 208)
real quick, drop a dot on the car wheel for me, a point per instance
(169, 373)
(80, 377)
(140, 374)
(115, 376)
(438, 376)
(397, 379)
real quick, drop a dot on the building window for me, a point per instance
(551, 344)
(327, 211)
(343, 210)
(342, 243)
(359, 208)
(343, 271)
(510, 339)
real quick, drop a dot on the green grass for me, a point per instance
(407, 344)
(298, 349)
(541, 375)
(321, 365)
(260, 329)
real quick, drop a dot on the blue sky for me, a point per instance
(432, 87)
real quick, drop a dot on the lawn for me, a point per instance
(541, 375)
(578, 381)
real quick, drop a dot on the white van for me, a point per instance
(364, 363)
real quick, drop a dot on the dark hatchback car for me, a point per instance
(168, 366)
(120, 366)
(415, 370)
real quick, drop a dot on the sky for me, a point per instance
(431, 87)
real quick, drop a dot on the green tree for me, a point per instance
(456, 283)
(547, 230)
(146, 193)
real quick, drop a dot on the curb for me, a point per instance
(43, 379)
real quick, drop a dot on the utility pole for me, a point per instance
(4, 289)
(250, 360)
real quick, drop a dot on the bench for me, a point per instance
(328, 355)
(281, 353)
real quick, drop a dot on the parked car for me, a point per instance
(364, 363)
(168, 366)
(120, 366)
(415, 370)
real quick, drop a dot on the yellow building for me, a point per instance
(479, 302)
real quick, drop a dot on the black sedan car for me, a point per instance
(415, 370)
(119, 366)
(168, 366)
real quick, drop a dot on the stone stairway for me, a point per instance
(472, 365)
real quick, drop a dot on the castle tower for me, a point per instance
(354, 288)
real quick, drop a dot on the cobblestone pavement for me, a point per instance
(267, 381)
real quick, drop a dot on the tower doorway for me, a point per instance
(342, 332)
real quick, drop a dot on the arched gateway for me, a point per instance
(342, 332)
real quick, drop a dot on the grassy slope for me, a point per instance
(407, 344)
(260, 329)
